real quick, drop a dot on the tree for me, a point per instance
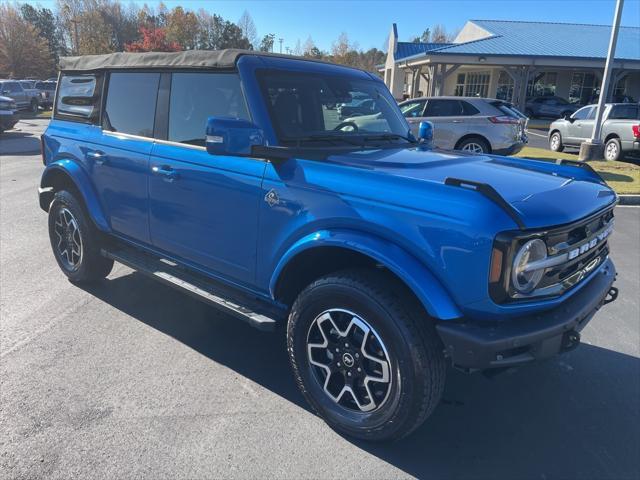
(123, 23)
(308, 46)
(153, 40)
(440, 35)
(45, 23)
(424, 38)
(297, 51)
(248, 28)
(266, 45)
(23, 52)
(182, 28)
(341, 46)
(85, 25)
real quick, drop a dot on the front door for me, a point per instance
(204, 208)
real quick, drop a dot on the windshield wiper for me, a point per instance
(323, 138)
(389, 136)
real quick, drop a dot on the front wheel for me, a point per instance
(362, 358)
(555, 142)
(75, 241)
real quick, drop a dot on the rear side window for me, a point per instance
(197, 96)
(444, 108)
(624, 112)
(468, 109)
(131, 103)
(79, 97)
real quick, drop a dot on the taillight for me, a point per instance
(504, 119)
(636, 130)
(44, 160)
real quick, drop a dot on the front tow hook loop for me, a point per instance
(570, 340)
(612, 294)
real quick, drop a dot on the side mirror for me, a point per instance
(425, 133)
(232, 136)
(567, 116)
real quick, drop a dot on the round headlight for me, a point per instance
(526, 279)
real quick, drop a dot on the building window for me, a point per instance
(472, 84)
(477, 84)
(505, 87)
(459, 91)
(542, 84)
(583, 88)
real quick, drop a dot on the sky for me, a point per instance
(368, 22)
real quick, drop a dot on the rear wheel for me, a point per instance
(34, 105)
(555, 142)
(75, 241)
(529, 113)
(612, 150)
(362, 358)
(474, 145)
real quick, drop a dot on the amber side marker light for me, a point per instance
(496, 266)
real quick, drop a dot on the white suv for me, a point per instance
(480, 125)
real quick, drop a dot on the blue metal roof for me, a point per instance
(548, 40)
(409, 49)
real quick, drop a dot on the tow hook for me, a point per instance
(611, 296)
(570, 340)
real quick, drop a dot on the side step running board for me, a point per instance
(251, 310)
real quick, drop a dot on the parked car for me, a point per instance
(225, 175)
(549, 107)
(48, 90)
(479, 125)
(620, 129)
(8, 114)
(357, 107)
(29, 86)
(24, 100)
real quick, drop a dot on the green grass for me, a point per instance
(623, 177)
(44, 114)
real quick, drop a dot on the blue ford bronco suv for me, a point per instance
(231, 175)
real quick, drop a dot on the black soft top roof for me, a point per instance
(186, 59)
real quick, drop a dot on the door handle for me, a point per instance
(97, 156)
(167, 172)
(456, 121)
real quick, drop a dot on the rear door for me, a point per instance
(451, 120)
(204, 208)
(119, 158)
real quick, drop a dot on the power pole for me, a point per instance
(75, 29)
(281, 40)
(593, 149)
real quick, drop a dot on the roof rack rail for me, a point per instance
(491, 193)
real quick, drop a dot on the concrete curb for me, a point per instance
(629, 199)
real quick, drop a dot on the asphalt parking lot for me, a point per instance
(129, 378)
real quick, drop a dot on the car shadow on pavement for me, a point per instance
(18, 143)
(575, 416)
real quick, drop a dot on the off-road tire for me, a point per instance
(91, 266)
(416, 359)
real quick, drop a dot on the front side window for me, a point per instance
(131, 103)
(412, 109)
(197, 96)
(583, 113)
(79, 97)
(338, 110)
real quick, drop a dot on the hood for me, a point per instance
(543, 193)
(5, 99)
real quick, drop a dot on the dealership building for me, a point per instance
(514, 60)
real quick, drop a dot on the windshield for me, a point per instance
(338, 110)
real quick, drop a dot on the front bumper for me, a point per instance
(482, 345)
(8, 119)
